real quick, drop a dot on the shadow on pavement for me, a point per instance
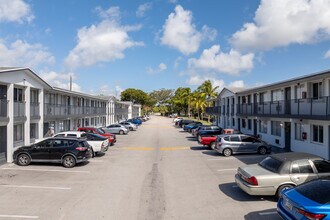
(269, 214)
(199, 148)
(231, 190)
(250, 158)
(211, 153)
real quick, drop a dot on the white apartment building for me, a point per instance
(292, 114)
(29, 106)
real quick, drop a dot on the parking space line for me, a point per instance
(46, 170)
(35, 187)
(267, 213)
(138, 148)
(19, 216)
(227, 169)
(174, 148)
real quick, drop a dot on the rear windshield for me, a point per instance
(318, 191)
(271, 164)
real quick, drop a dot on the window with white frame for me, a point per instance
(298, 90)
(263, 127)
(317, 92)
(18, 132)
(298, 129)
(18, 95)
(317, 133)
(276, 128)
(276, 95)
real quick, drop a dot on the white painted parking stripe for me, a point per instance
(35, 187)
(227, 169)
(46, 170)
(19, 216)
(267, 213)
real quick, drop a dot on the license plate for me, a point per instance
(288, 205)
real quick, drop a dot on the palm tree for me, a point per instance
(210, 92)
(198, 102)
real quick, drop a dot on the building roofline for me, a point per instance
(79, 93)
(284, 82)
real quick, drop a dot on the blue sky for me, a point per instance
(108, 46)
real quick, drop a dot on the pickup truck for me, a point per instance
(208, 141)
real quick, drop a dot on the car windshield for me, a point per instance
(271, 164)
(100, 131)
(318, 191)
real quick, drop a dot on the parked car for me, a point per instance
(135, 121)
(191, 126)
(280, 171)
(195, 132)
(208, 131)
(177, 119)
(306, 201)
(208, 141)
(240, 143)
(97, 142)
(67, 151)
(115, 129)
(184, 122)
(111, 137)
(129, 125)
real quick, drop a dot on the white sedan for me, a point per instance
(98, 142)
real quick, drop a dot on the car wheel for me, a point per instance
(121, 132)
(69, 161)
(227, 152)
(262, 150)
(281, 188)
(130, 128)
(93, 154)
(212, 145)
(23, 160)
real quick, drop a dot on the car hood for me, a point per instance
(254, 170)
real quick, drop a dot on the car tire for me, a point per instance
(23, 159)
(280, 188)
(227, 152)
(212, 146)
(262, 150)
(69, 161)
(93, 154)
(121, 132)
(131, 129)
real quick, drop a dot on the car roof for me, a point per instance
(291, 156)
(71, 132)
(69, 138)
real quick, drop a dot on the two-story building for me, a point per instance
(292, 114)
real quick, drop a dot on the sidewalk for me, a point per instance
(276, 150)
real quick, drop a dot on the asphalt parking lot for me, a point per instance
(156, 172)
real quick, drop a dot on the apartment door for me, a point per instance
(3, 142)
(287, 130)
(287, 100)
(239, 124)
(255, 122)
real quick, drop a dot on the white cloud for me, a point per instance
(15, 11)
(112, 13)
(142, 9)
(103, 42)
(20, 53)
(181, 34)
(197, 80)
(231, 63)
(239, 84)
(177, 62)
(61, 80)
(282, 22)
(173, 1)
(327, 54)
(161, 67)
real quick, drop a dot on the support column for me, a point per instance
(10, 125)
(41, 112)
(27, 100)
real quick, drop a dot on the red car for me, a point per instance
(208, 141)
(111, 137)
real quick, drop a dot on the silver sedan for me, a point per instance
(116, 129)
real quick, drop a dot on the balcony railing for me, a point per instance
(212, 110)
(296, 107)
(65, 110)
(19, 109)
(3, 108)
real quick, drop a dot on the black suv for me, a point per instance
(67, 151)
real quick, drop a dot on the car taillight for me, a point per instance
(252, 180)
(81, 148)
(310, 215)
